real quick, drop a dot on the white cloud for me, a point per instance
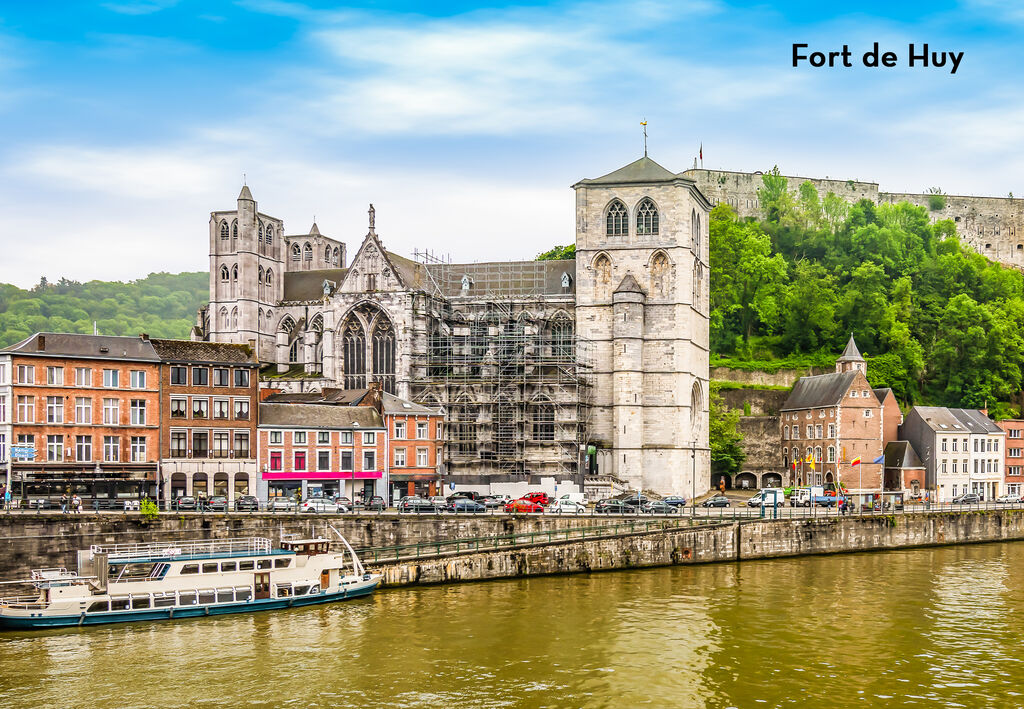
(139, 7)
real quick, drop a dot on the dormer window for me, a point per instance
(467, 282)
(853, 394)
(566, 280)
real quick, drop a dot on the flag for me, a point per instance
(812, 465)
(879, 459)
(855, 461)
(702, 151)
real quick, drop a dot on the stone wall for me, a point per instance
(783, 377)
(763, 402)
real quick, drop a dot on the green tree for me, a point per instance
(727, 454)
(558, 252)
(774, 197)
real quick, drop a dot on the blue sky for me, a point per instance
(126, 122)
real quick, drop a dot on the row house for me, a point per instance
(83, 412)
(835, 419)
(962, 450)
(322, 449)
(1013, 461)
(208, 397)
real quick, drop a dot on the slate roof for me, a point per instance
(819, 390)
(319, 416)
(851, 353)
(939, 418)
(643, 171)
(413, 274)
(881, 393)
(900, 454)
(505, 278)
(629, 285)
(396, 405)
(189, 351)
(329, 396)
(245, 193)
(975, 421)
(62, 344)
(309, 285)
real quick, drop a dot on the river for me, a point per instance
(918, 628)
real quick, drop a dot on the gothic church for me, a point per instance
(593, 369)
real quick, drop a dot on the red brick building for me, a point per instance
(834, 419)
(1013, 468)
(209, 394)
(89, 408)
(322, 449)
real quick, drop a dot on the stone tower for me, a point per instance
(642, 309)
(246, 274)
(851, 359)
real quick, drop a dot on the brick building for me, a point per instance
(322, 449)
(1013, 460)
(208, 403)
(835, 419)
(89, 407)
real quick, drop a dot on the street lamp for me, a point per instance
(693, 480)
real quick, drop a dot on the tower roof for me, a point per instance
(245, 194)
(629, 285)
(640, 171)
(851, 353)
(313, 229)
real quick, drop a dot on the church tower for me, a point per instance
(246, 275)
(642, 308)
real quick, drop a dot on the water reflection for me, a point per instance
(912, 628)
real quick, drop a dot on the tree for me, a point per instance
(558, 252)
(774, 197)
(727, 454)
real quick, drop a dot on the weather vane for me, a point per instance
(644, 124)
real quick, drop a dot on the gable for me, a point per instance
(372, 269)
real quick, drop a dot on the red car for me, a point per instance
(523, 505)
(541, 498)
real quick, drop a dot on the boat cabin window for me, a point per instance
(186, 598)
(120, 603)
(282, 563)
(163, 600)
(98, 607)
(136, 571)
(190, 569)
(225, 595)
(307, 548)
(243, 594)
(210, 568)
(284, 590)
(301, 590)
(206, 595)
(229, 566)
(140, 601)
(263, 564)
(246, 565)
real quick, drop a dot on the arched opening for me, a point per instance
(368, 347)
(317, 326)
(384, 353)
(224, 232)
(225, 322)
(561, 330)
(696, 409)
(721, 481)
(336, 260)
(234, 318)
(543, 420)
(646, 218)
(241, 484)
(260, 235)
(307, 252)
(829, 478)
(327, 255)
(220, 484)
(746, 481)
(296, 253)
(260, 282)
(179, 482)
(225, 276)
(234, 281)
(616, 219)
(603, 276)
(771, 480)
(200, 485)
(661, 274)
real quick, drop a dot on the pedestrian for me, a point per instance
(64, 503)
(76, 503)
(7, 499)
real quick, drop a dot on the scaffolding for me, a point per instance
(515, 385)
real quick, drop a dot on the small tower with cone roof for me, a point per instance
(851, 359)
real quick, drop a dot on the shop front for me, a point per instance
(360, 485)
(34, 482)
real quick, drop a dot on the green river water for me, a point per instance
(919, 628)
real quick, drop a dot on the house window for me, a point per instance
(995, 445)
(864, 393)
(810, 431)
(867, 413)
(831, 454)
(26, 374)
(346, 438)
(299, 438)
(83, 449)
(200, 377)
(275, 461)
(421, 458)
(241, 377)
(179, 444)
(138, 449)
(323, 460)
(785, 433)
(221, 444)
(241, 444)
(55, 376)
(323, 438)
(137, 379)
(975, 445)
(55, 448)
(275, 438)
(221, 377)
(26, 409)
(54, 409)
(3, 414)
(200, 408)
(954, 445)
(945, 446)
(200, 444)
(853, 394)
(796, 432)
(955, 467)
(369, 438)
(421, 429)
(369, 460)
(111, 449)
(179, 376)
(346, 461)
(138, 408)
(179, 408)
(817, 431)
(111, 412)
(943, 467)
(831, 430)
(1013, 433)
(242, 409)
(399, 457)
(111, 377)
(1014, 452)
(400, 429)
(439, 429)
(300, 460)
(83, 376)
(221, 408)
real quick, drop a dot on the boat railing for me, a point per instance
(185, 548)
(22, 602)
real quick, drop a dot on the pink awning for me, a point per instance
(325, 475)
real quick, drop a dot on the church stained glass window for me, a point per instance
(617, 219)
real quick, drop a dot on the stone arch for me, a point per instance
(661, 274)
(336, 259)
(224, 230)
(224, 323)
(746, 480)
(696, 409)
(307, 252)
(771, 480)
(287, 324)
(260, 234)
(561, 335)
(234, 318)
(316, 324)
(368, 345)
(542, 418)
(646, 217)
(602, 276)
(616, 219)
(296, 253)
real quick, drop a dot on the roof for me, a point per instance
(851, 353)
(882, 392)
(629, 285)
(245, 194)
(319, 416)
(505, 278)
(640, 171)
(329, 395)
(62, 344)
(397, 405)
(314, 229)
(820, 390)
(413, 274)
(976, 421)
(190, 351)
(938, 418)
(900, 454)
(309, 285)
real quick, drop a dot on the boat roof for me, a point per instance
(186, 550)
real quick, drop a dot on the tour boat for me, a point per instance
(160, 580)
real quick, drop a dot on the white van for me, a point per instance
(771, 496)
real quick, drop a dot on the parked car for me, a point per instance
(541, 498)
(564, 505)
(376, 504)
(637, 500)
(524, 505)
(342, 500)
(492, 502)
(279, 504)
(969, 498)
(40, 504)
(613, 507)
(322, 504)
(247, 502)
(717, 501)
(1007, 499)
(442, 504)
(675, 500)
(468, 494)
(218, 503)
(754, 501)
(185, 502)
(416, 505)
(659, 507)
(466, 505)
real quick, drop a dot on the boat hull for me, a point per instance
(40, 620)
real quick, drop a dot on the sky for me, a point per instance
(125, 123)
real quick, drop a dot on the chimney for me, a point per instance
(144, 337)
(41, 343)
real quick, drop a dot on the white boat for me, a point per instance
(163, 580)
